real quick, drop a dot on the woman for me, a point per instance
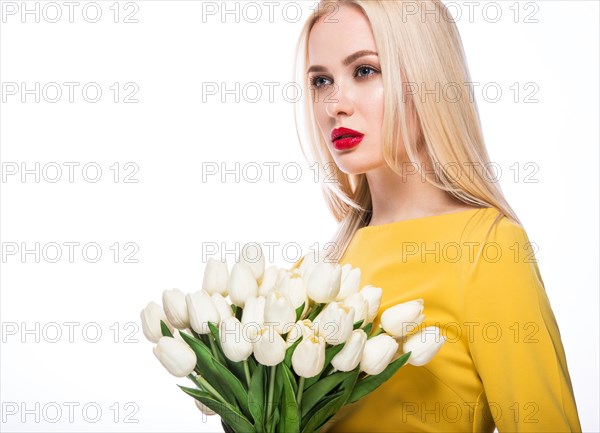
(421, 218)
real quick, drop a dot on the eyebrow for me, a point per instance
(347, 61)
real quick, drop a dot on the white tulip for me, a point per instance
(216, 275)
(335, 323)
(235, 346)
(423, 344)
(349, 357)
(300, 329)
(151, 317)
(204, 409)
(176, 308)
(269, 280)
(372, 295)
(293, 286)
(252, 255)
(361, 307)
(308, 358)
(323, 284)
(281, 272)
(176, 356)
(253, 316)
(241, 284)
(309, 260)
(378, 354)
(269, 347)
(350, 282)
(201, 310)
(402, 319)
(222, 305)
(279, 311)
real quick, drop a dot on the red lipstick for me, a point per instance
(345, 138)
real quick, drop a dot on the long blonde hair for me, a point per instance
(413, 48)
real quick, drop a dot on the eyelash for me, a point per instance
(314, 79)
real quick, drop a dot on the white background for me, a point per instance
(171, 215)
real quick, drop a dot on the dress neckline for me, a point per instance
(418, 220)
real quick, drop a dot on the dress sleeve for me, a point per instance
(514, 339)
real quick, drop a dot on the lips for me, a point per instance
(338, 133)
(345, 138)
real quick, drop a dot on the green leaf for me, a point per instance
(299, 311)
(215, 333)
(329, 354)
(290, 418)
(317, 408)
(289, 352)
(226, 427)
(371, 383)
(219, 376)
(319, 390)
(358, 324)
(274, 421)
(318, 417)
(292, 378)
(252, 364)
(316, 311)
(229, 413)
(256, 397)
(331, 408)
(166, 332)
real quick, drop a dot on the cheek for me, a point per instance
(373, 104)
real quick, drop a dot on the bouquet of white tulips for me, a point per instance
(283, 350)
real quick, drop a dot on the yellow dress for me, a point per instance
(503, 362)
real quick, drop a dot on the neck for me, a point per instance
(397, 197)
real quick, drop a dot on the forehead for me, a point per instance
(343, 31)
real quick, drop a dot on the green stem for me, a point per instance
(300, 390)
(247, 371)
(210, 389)
(271, 386)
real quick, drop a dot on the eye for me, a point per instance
(366, 68)
(314, 81)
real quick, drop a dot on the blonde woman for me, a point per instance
(420, 216)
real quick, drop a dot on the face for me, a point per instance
(347, 89)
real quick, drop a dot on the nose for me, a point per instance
(339, 102)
